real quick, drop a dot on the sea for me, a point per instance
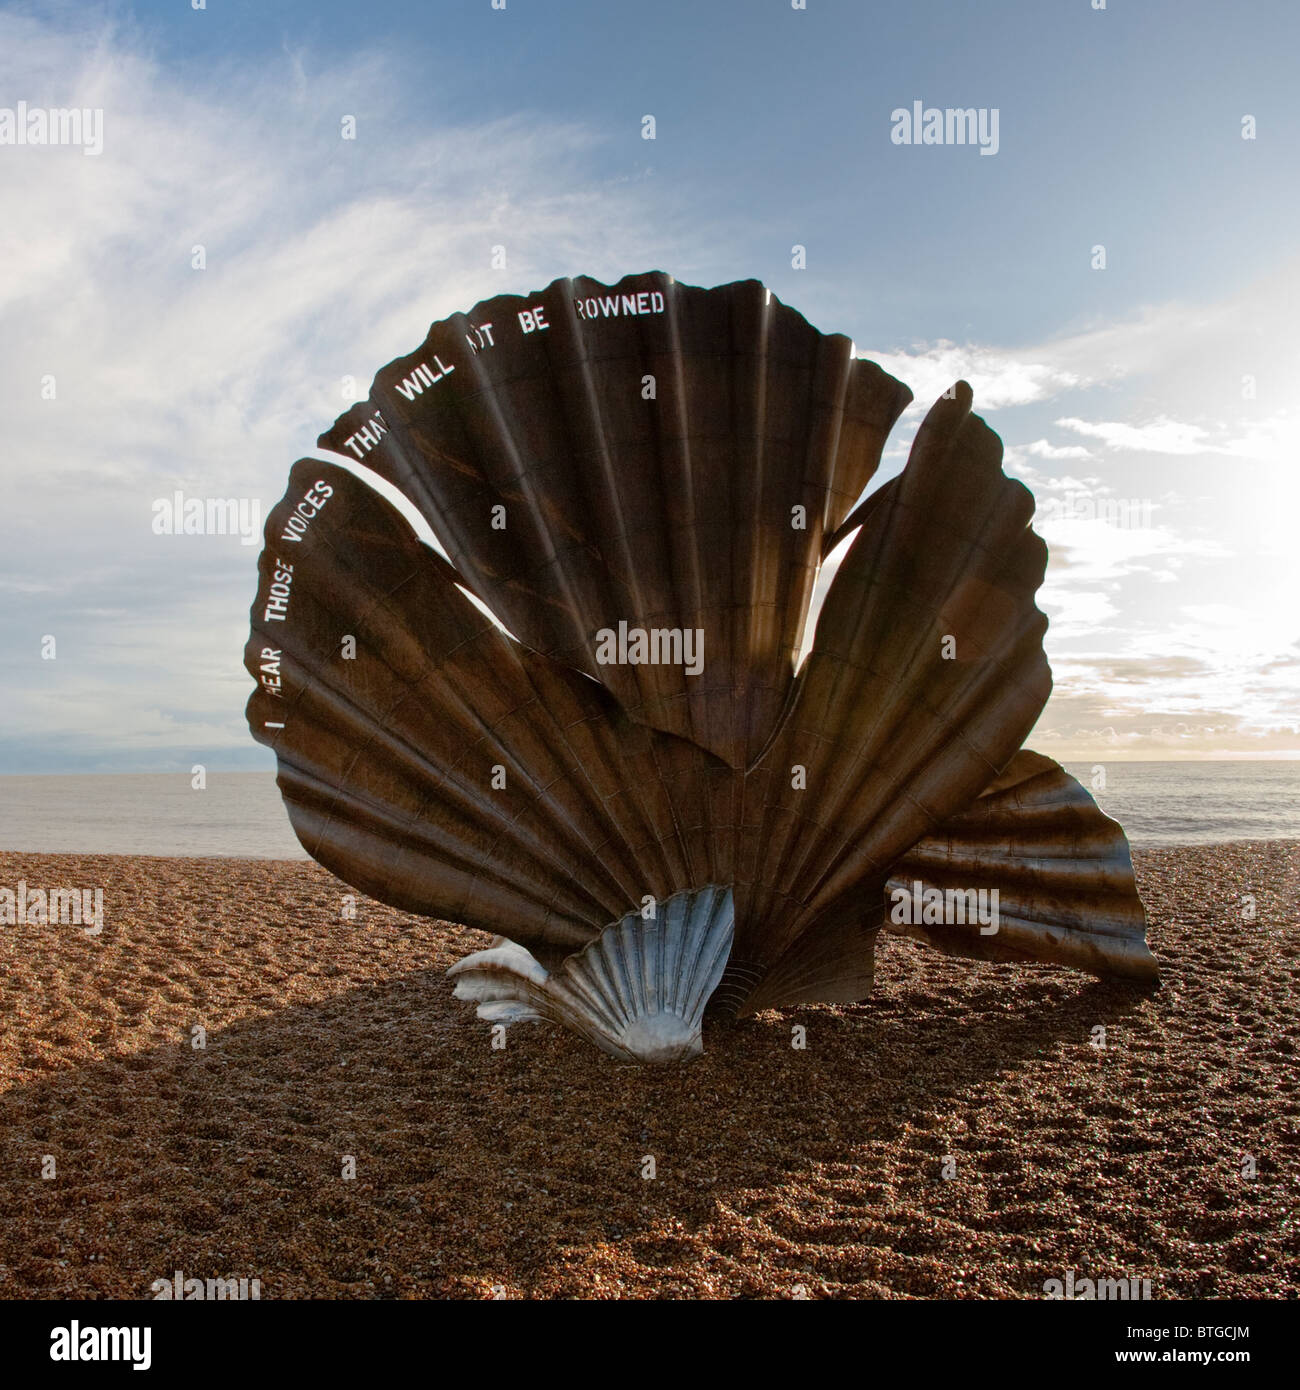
(240, 814)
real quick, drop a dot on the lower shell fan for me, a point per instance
(586, 726)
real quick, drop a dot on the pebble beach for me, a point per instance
(236, 1079)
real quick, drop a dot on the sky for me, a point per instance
(1149, 402)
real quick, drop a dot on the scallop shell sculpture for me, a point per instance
(586, 727)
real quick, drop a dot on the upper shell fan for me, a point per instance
(600, 463)
(655, 455)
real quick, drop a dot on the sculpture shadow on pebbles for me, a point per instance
(776, 1168)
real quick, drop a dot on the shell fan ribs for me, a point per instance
(584, 723)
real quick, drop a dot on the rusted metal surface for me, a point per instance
(1061, 867)
(672, 511)
(682, 464)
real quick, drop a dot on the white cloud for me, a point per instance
(325, 259)
(1076, 612)
(1161, 436)
(997, 378)
(1041, 449)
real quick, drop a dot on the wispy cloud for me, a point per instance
(1042, 449)
(998, 378)
(324, 258)
(1173, 568)
(132, 372)
(1155, 437)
